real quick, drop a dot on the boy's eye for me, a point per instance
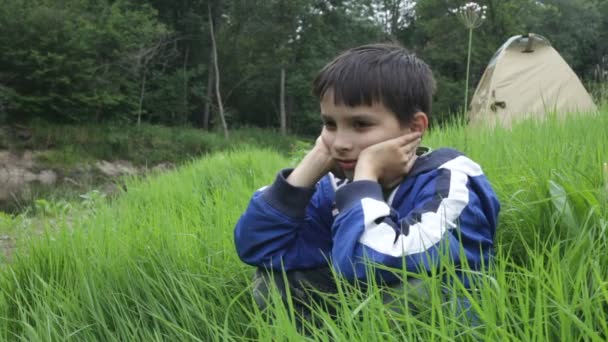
(329, 124)
(361, 124)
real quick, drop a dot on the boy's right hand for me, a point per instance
(316, 164)
(328, 163)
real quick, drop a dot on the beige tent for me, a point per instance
(527, 78)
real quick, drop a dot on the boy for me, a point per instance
(367, 193)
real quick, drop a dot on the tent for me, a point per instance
(527, 77)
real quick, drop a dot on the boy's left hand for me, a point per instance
(389, 161)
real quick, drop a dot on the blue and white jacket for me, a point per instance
(444, 206)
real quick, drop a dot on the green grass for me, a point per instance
(526, 163)
(158, 262)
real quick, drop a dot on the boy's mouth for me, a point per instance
(347, 164)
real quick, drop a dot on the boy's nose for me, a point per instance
(342, 143)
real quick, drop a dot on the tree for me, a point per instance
(260, 38)
(218, 94)
(143, 60)
(67, 60)
(574, 28)
(392, 15)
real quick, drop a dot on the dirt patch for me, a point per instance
(19, 172)
(117, 168)
(22, 172)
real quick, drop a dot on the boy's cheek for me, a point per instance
(326, 137)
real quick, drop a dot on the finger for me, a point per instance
(411, 146)
(410, 164)
(409, 137)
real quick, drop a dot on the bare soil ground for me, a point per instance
(20, 172)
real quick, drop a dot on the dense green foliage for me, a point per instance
(64, 146)
(91, 61)
(75, 61)
(158, 262)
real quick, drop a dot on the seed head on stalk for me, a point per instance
(471, 15)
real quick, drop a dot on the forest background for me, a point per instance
(129, 62)
(152, 258)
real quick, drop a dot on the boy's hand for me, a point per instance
(322, 152)
(316, 164)
(389, 161)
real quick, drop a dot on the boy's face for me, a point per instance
(349, 130)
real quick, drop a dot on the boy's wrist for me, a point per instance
(285, 197)
(310, 170)
(364, 171)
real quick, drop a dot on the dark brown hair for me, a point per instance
(378, 73)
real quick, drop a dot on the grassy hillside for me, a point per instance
(72, 154)
(67, 145)
(158, 262)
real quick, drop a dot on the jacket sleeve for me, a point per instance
(286, 227)
(449, 217)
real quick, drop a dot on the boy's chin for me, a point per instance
(349, 174)
(343, 174)
(339, 172)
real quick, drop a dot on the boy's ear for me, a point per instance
(419, 123)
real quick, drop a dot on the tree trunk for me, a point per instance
(395, 7)
(290, 105)
(186, 113)
(282, 104)
(217, 75)
(142, 92)
(207, 113)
